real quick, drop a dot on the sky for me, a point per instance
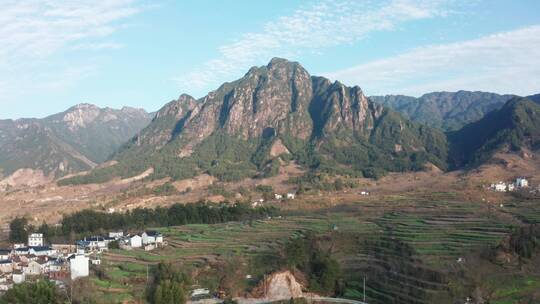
(141, 53)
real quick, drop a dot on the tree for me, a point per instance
(169, 286)
(296, 252)
(40, 292)
(325, 273)
(18, 230)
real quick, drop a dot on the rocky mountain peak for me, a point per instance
(80, 115)
(178, 108)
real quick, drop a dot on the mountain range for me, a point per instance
(274, 114)
(514, 126)
(71, 141)
(279, 112)
(448, 111)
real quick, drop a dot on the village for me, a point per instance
(519, 184)
(62, 263)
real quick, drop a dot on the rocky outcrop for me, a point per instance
(268, 100)
(81, 115)
(278, 286)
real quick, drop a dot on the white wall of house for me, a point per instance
(147, 239)
(116, 234)
(35, 239)
(18, 278)
(78, 266)
(135, 241)
(33, 268)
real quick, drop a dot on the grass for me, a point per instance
(514, 289)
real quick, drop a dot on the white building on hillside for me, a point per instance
(78, 265)
(152, 237)
(522, 182)
(500, 187)
(135, 241)
(35, 240)
(116, 234)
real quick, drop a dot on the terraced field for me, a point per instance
(408, 246)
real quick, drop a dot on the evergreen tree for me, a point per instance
(18, 230)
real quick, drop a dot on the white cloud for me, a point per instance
(507, 62)
(325, 24)
(32, 32)
(39, 28)
(98, 46)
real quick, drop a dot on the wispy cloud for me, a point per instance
(507, 62)
(33, 32)
(39, 28)
(98, 46)
(310, 29)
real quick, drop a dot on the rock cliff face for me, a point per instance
(242, 128)
(268, 100)
(277, 99)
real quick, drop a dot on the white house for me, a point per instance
(18, 277)
(135, 241)
(35, 240)
(522, 182)
(500, 187)
(33, 268)
(42, 251)
(5, 286)
(6, 266)
(78, 265)
(116, 234)
(64, 248)
(152, 237)
(93, 243)
(278, 196)
(511, 187)
(291, 195)
(4, 254)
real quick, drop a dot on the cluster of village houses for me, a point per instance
(62, 262)
(277, 196)
(519, 183)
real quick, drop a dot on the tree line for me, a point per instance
(90, 221)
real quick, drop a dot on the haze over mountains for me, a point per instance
(274, 114)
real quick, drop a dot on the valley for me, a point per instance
(415, 236)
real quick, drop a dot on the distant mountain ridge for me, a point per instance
(514, 126)
(448, 111)
(276, 113)
(67, 142)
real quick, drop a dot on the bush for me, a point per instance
(39, 292)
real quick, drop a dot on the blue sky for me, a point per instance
(54, 54)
